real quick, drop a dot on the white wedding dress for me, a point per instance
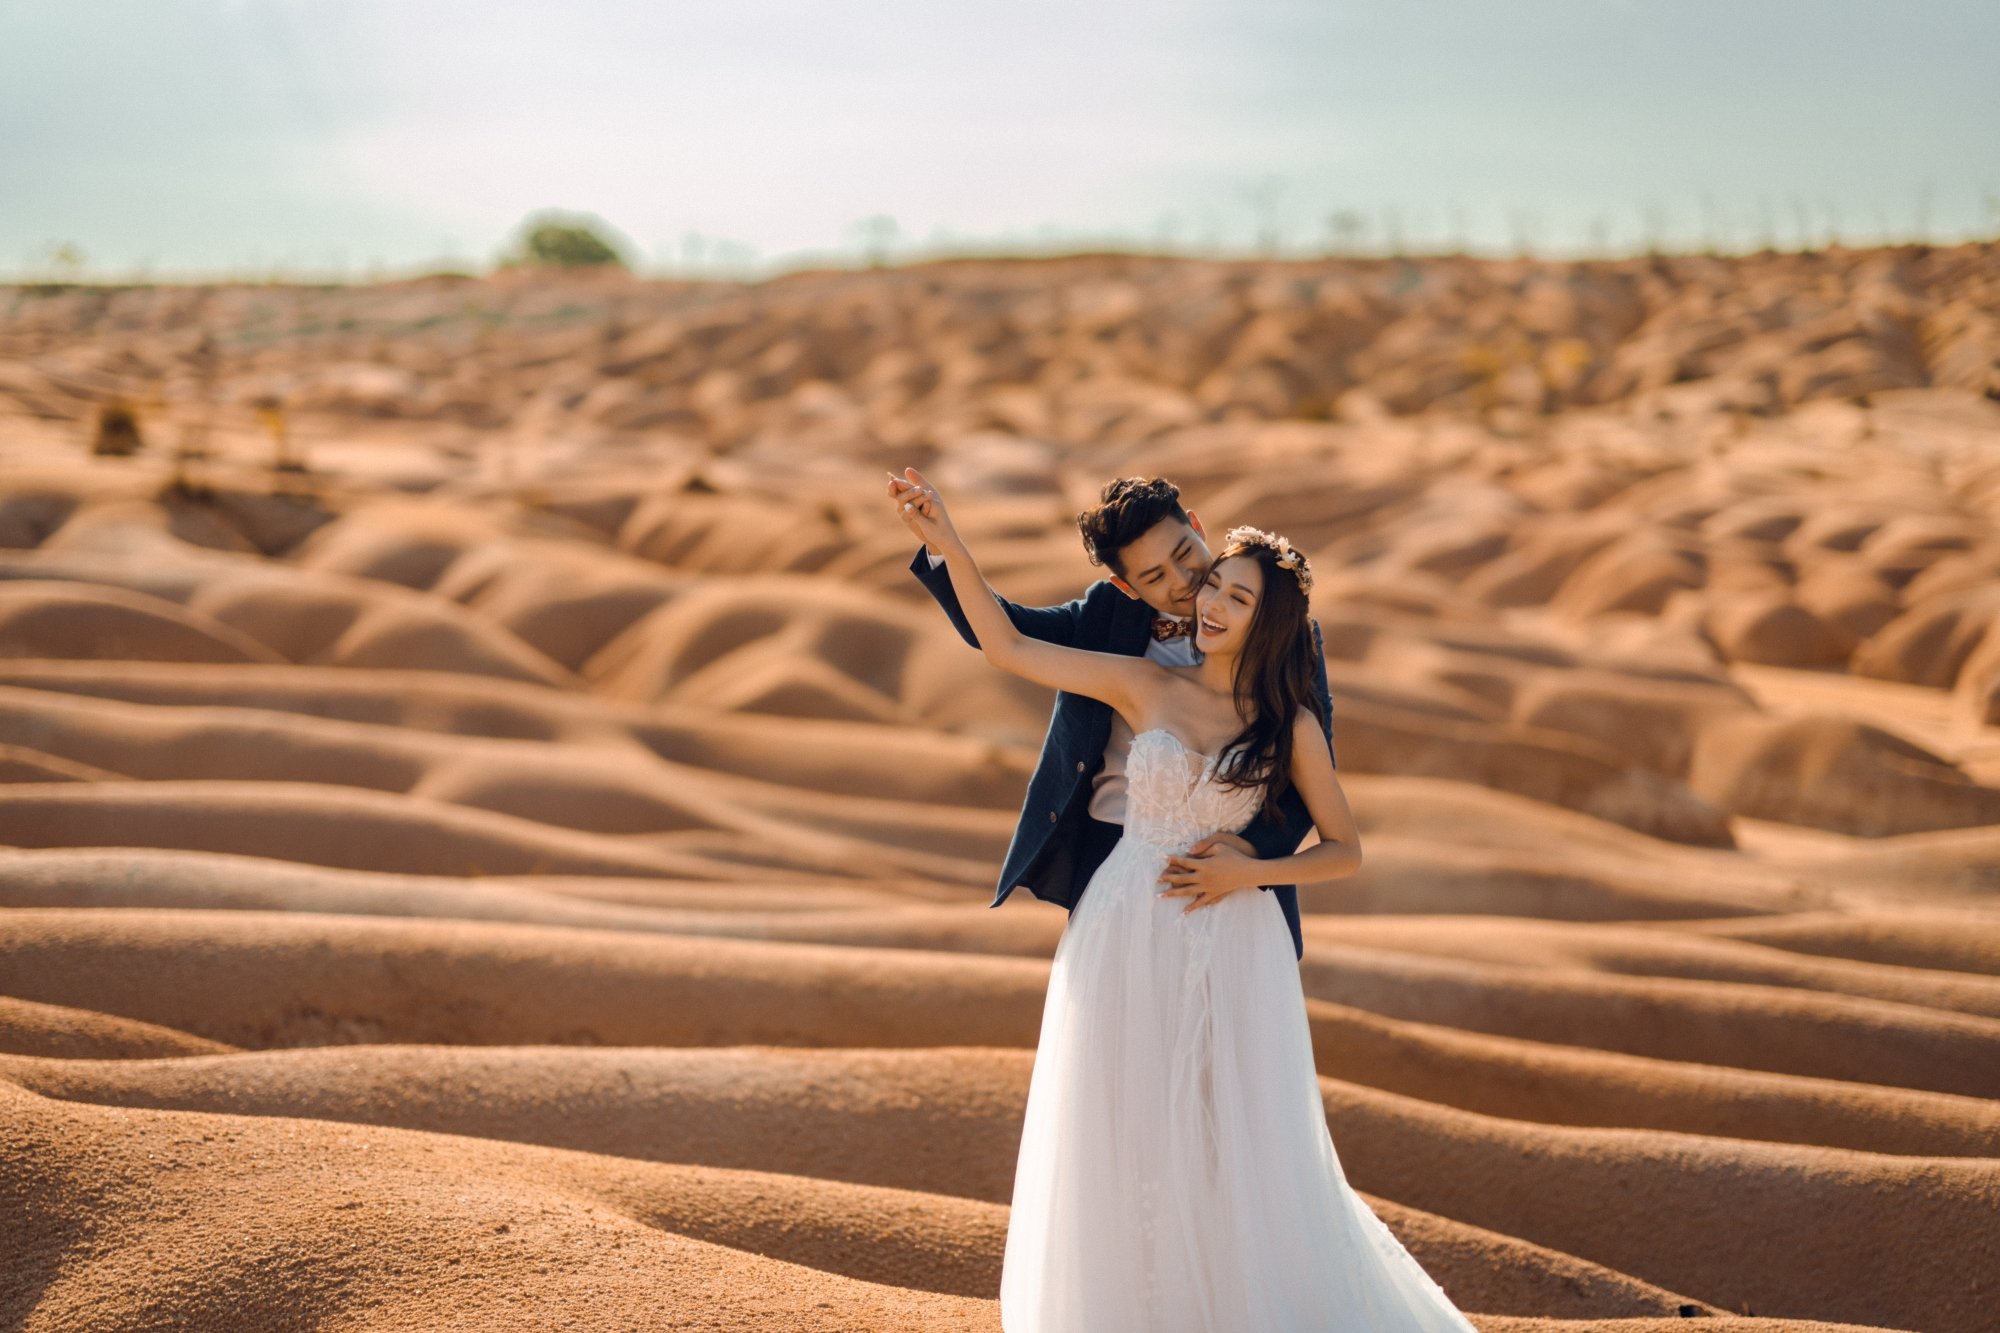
(1176, 1171)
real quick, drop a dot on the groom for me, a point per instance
(1158, 556)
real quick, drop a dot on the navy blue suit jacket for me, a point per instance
(1048, 853)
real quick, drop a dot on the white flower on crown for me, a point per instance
(1287, 557)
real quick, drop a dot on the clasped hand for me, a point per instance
(922, 510)
(1211, 870)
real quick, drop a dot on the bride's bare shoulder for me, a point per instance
(1307, 734)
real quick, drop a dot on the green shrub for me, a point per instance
(562, 241)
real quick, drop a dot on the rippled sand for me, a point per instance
(531, 866)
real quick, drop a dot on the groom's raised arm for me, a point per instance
(1050, 624)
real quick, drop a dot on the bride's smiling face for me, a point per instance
(1226, 604)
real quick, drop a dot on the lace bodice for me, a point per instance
(1172, 798)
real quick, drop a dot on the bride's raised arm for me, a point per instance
(1128, 684)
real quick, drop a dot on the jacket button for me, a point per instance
(1079, 765)
(1052, 816)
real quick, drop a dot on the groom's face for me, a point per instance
(1164, 566)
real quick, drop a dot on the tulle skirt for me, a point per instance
(1176, 1171)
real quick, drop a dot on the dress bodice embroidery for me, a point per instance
(1171, 803)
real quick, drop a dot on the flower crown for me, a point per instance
(1287, 557)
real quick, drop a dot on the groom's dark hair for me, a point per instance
(1125, 510)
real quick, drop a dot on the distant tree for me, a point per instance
(67, 258)
(560, 240)
(1344, 230)
(878, 235)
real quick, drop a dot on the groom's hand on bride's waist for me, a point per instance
(1239, 842)
(1211, 870)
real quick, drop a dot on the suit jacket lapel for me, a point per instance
(1132, 628)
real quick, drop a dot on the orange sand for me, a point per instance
(530, 869)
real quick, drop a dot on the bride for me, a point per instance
(1175, 1170)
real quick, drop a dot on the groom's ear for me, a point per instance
(1124, 587)
(1194, 521)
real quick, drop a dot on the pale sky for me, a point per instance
(196, 137)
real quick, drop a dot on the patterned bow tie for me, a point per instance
(1169, 627)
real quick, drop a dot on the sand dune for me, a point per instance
(530, 867)
(484, 983)
(1905, 938)
(839, 1242)
(1557, 1084)
(27, 1028)
(372, 1230)
(1576, 1195)
(1711, 1022)
(1629, 951)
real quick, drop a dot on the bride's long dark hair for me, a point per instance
(1274, 677)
